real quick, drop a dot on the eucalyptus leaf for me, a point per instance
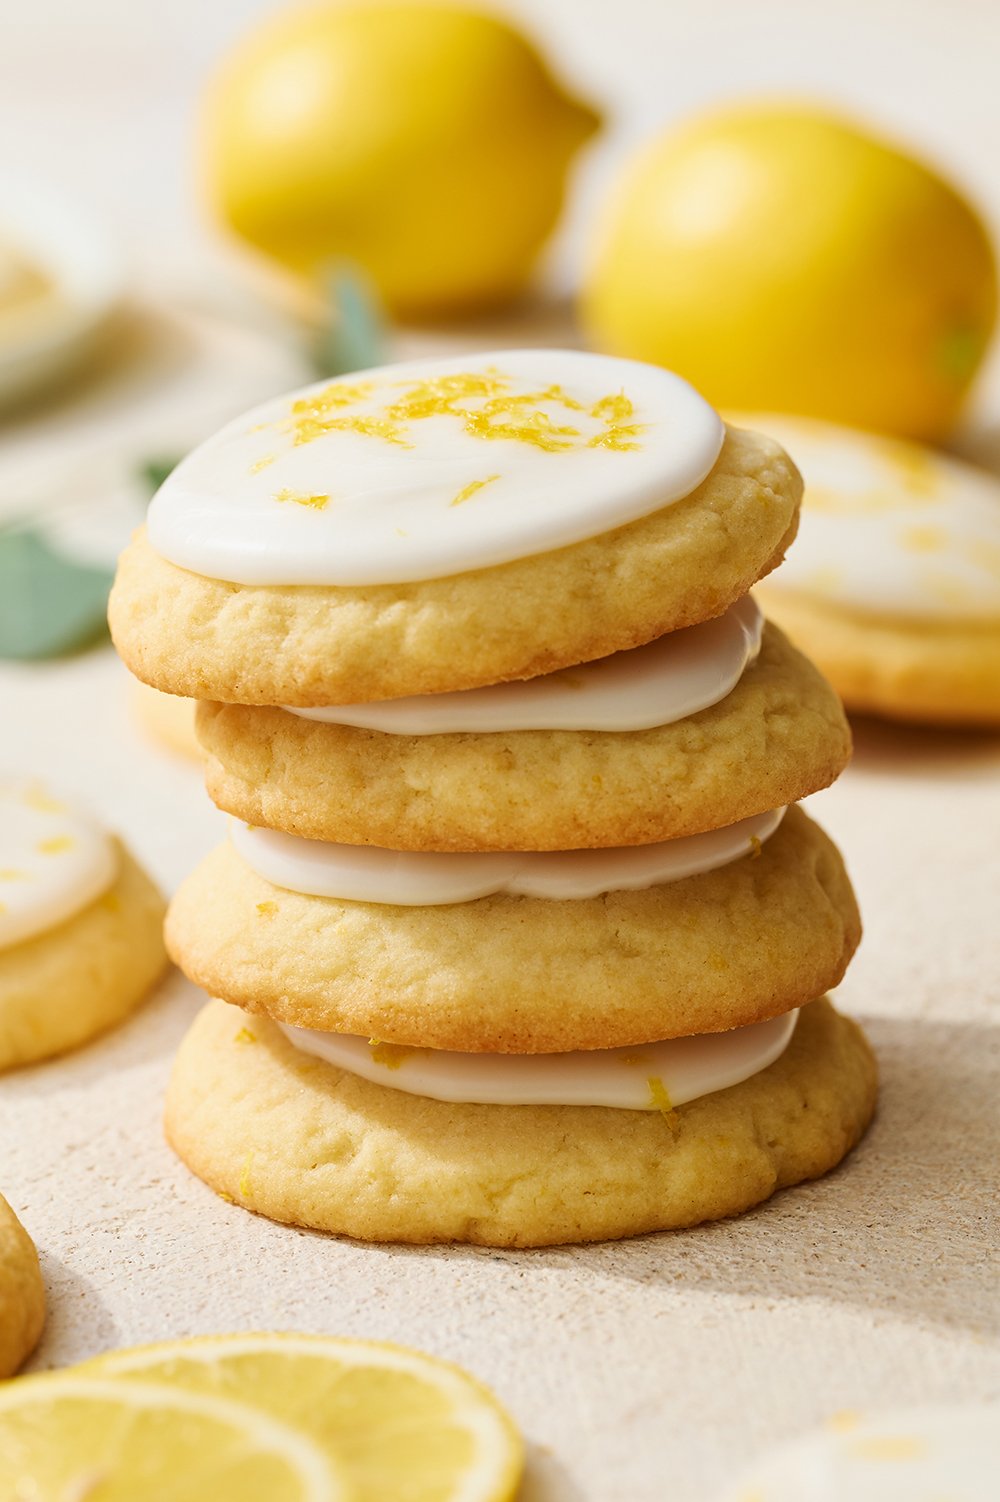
(354, 337)
(50, 604)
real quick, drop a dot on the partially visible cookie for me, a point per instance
(291, 1137)
(168, 718)
(314, 645)
(919, 1454)
(80, 927)
(511, 974)
(778, 736)
(22, 1293)
(893, 586)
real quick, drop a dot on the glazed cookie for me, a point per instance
(921, 1454)
(22, 1293)
(302, 1141)
(168, 719)
(894, 584)
(777, 735)
(80, 927)
(510, 973)
(372, 539)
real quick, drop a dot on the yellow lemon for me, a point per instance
(428, 145)
(70, 1437)
(781, 258)
(401, 1424)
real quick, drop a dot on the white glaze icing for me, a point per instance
(54, 860)
(676, 676)
(932, 1453)
(890, 528)
(359, 873)
(399, 473)
(654, 1076)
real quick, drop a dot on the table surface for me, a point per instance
(636, 1369)
(666, 1359)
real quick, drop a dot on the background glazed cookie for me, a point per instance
(22, 1293)
(312, 645)
(894, 585)
(511, 974)
(778, 736)
(303, 1142)
(80, 926)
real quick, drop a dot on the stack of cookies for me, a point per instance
(517, 938)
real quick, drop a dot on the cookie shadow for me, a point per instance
(901, 750)
(904, 1228)
(78, 1323)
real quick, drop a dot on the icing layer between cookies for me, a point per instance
(667, 680)
(889, 528)
(356, 873)
(54, 861)
(653, 1077)
(435, 467)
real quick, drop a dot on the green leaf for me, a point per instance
(50, 605)
(153, 472)
(354, 337)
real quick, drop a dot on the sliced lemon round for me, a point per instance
(402, 1424)
(72, 1437)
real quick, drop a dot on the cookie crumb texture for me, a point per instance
(22, 1293)
(293, 1138)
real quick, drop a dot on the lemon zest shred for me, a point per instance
(267, 909)
(58, 844)
(473, 487)
(245, 1175)
(391, 1055)
(245, 1036)
(299, 498)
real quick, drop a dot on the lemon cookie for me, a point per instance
(80, 927)
(168, 718)
(558, 954)
(22, 1293)
(447, 524)
(894, 583)
(778, 734)
(917, 1454)
(295, 1138)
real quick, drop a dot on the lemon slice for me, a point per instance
(402, 1424)
(72, 1437)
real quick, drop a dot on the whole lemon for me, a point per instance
(781, 258)
(427, 144)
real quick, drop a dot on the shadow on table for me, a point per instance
(923, 750)
(902, 1228)
(78, 1323)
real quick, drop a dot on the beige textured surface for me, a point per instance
(673, 1358)
(779, 735)
(521, 974)
(255, 644)
(663, 1366)
(63, 987)
(22, 1292)
(296, 1139)
(930, 673)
